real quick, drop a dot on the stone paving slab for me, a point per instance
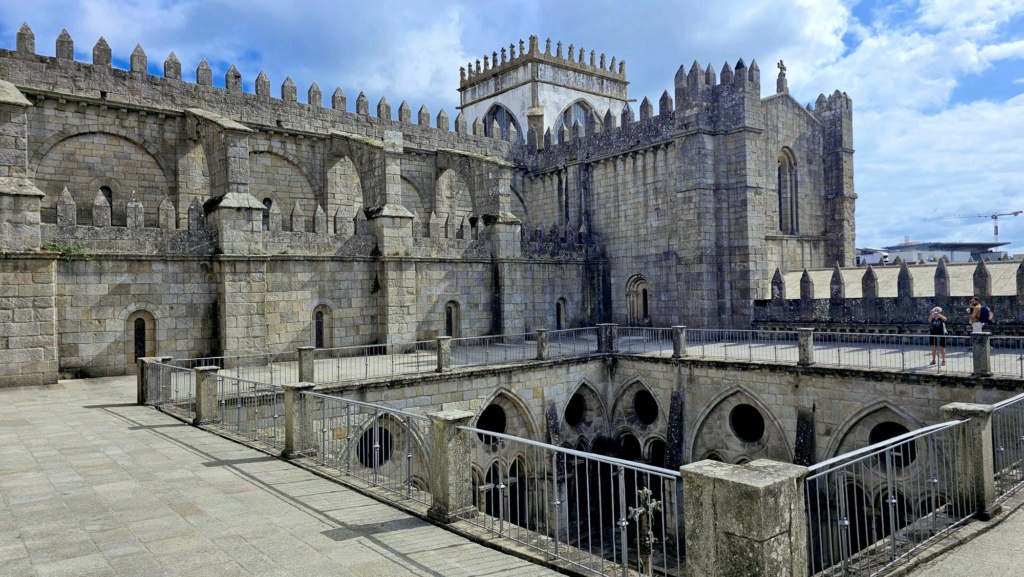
(93, 485)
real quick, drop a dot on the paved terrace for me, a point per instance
(94, 485)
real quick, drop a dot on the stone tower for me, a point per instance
(543, 89)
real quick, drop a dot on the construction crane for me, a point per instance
(994, 217)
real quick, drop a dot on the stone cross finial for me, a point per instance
(643, 513)
(782, 67)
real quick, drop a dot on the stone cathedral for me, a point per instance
(151, 214)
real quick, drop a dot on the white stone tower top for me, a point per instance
(528, 87)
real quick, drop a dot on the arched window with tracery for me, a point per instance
(789, 214)
(505, 119)
(451, 319)
(638, 297)
(577, 112)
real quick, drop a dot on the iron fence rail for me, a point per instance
(251, 409)
(268, 368)
(894, 351)
(374, 361)
(742, 345)
(1007, 356)
(869, 509)
(493, 350)
(384, 448)
(642, 340)
(172, 389)
(1008, 446)
(578, 507)
(572, 342)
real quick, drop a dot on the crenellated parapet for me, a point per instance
(896, 298)
(729, 100)
(572, 59)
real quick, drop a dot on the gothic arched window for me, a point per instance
(789, 215)
(578, 112)
(505, 120)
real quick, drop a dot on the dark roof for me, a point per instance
(965, 246)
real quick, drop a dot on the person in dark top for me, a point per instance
(937, 330)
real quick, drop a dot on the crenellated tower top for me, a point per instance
(525, 87)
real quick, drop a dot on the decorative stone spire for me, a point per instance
(837, 287)
(904, 283)
(664, 104)
(627, 115)
(314, 97)
(982, 280)
(172, 67)
(362, 105)
(806, 288)
(26, 41)
(204, 75)
(869, 284)
(404, 113)
(383, 108)
(288, 91)
(65, 46)
(442, 120)
(778, 286)
(139, 63)
(646, 110)
(101, 53)
(338, 100)
(233, 79)
(262, 85)
(423, 116)
(460, 124)
(941, 279)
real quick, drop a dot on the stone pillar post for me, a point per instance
(543, 347)
(206, 395)
(981, 346)
(745, 519)
(298, 419)
(805, 340)
(307, 366)
(444, 354)
(976, 482)
(451, 478)
(606, 337)
(142, 377)
(678, 342)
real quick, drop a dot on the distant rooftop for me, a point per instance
(957, 246)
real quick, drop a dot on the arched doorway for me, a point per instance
(638, 300)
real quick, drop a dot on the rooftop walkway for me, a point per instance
(92, 484)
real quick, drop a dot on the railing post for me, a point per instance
(975, 471)
(805, 345)
(444, 354)
(606, 337)
(307, 366)
(451, 477)
(142, 377)
(543, 346)
(745, 519)
(678, 342)
(982, 348)
(298, 419)
(206, 395)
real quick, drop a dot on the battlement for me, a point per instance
(598, 66)
(99, 82)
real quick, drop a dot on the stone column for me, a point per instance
(206, 395)
(745, 519)
(298, 419)
(606, 337)
(451, 478)
(307, 365)
(444, 354)
(980, 343)
(805, 340)
(142, 377)
(974, 469)
(678, 342)
(543, 347)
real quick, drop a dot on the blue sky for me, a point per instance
(937, 85)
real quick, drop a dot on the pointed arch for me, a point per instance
(587, 403)
(344, 190)
(578, 111)
(869, 415)
(281, 177)
(520, 419)
(506, 120)
(638, 301)
(788, 192)
(453, 202)
(637, 407)
(774, 443)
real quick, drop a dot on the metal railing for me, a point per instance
(740, 345)
(268, 368)
(572, 342)
(374, 361)
(383, 447)
(1008, 446)
(172, 389)
(576, 506)
(251, 409)
(641, 340)
(493, 350)
(871, 508)
(897, 352)
(1007, 356)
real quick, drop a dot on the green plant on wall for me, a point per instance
(68, 252)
